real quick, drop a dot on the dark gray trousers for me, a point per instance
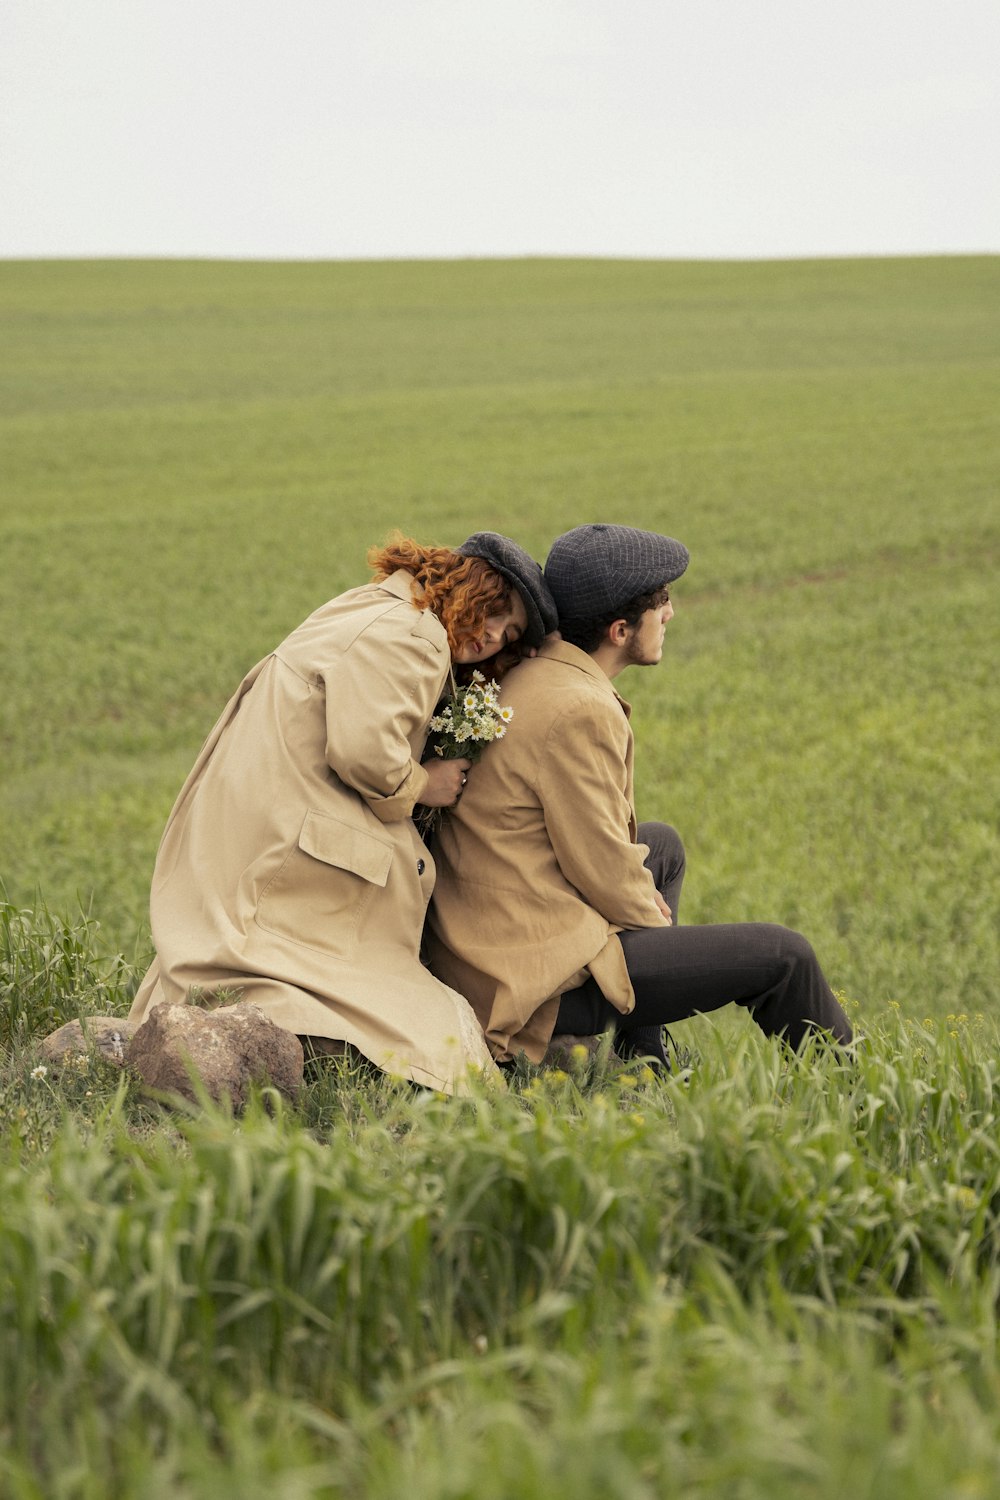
(678, 972)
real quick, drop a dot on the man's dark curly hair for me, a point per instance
(588, 634)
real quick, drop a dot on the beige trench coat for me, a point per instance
(290, 868)
(538, 864)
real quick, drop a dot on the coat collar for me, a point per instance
(402, 584)
(572, 656)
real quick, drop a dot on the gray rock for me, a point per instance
(230, 1048)
(108, 1036)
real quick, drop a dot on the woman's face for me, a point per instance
(498, 631)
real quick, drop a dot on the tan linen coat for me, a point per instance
(538, 865)
(290, 868)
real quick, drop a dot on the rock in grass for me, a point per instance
(108, 1036)
(230, 1048)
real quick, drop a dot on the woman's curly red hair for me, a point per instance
(461, 591)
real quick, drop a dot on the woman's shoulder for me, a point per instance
(367, 615)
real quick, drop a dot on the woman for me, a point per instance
(290, 869)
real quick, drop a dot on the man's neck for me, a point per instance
(611, 659)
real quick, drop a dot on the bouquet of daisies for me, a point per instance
(469, 720)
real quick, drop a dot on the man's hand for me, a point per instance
(445, 780)
(664, 909)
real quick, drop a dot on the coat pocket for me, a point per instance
(326, 883)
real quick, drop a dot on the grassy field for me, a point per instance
(764, 1278)
(199, 454)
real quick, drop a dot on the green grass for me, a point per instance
(199, 454)
(768, 1277)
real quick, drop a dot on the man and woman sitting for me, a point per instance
(291, 870)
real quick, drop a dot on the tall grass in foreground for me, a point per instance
(767, 1275)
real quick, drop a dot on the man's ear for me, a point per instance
(618, 632)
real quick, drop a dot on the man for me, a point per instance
(554, 913)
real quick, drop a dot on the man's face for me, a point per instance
(645, 643)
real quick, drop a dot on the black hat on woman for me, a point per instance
(523, 573)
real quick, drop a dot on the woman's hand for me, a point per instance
(445, 780)
(663, 908)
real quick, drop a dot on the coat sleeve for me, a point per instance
(382, 691)
(582, 786)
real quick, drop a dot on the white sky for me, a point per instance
(382, 128)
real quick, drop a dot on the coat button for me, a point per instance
(421, 866)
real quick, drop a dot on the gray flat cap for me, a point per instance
(592, 570)
(521, 570)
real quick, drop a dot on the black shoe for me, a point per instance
(646, 1042)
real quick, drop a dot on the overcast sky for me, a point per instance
(382, 128)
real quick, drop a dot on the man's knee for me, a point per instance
(784, 948)
(797, 950)
(664, 844)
